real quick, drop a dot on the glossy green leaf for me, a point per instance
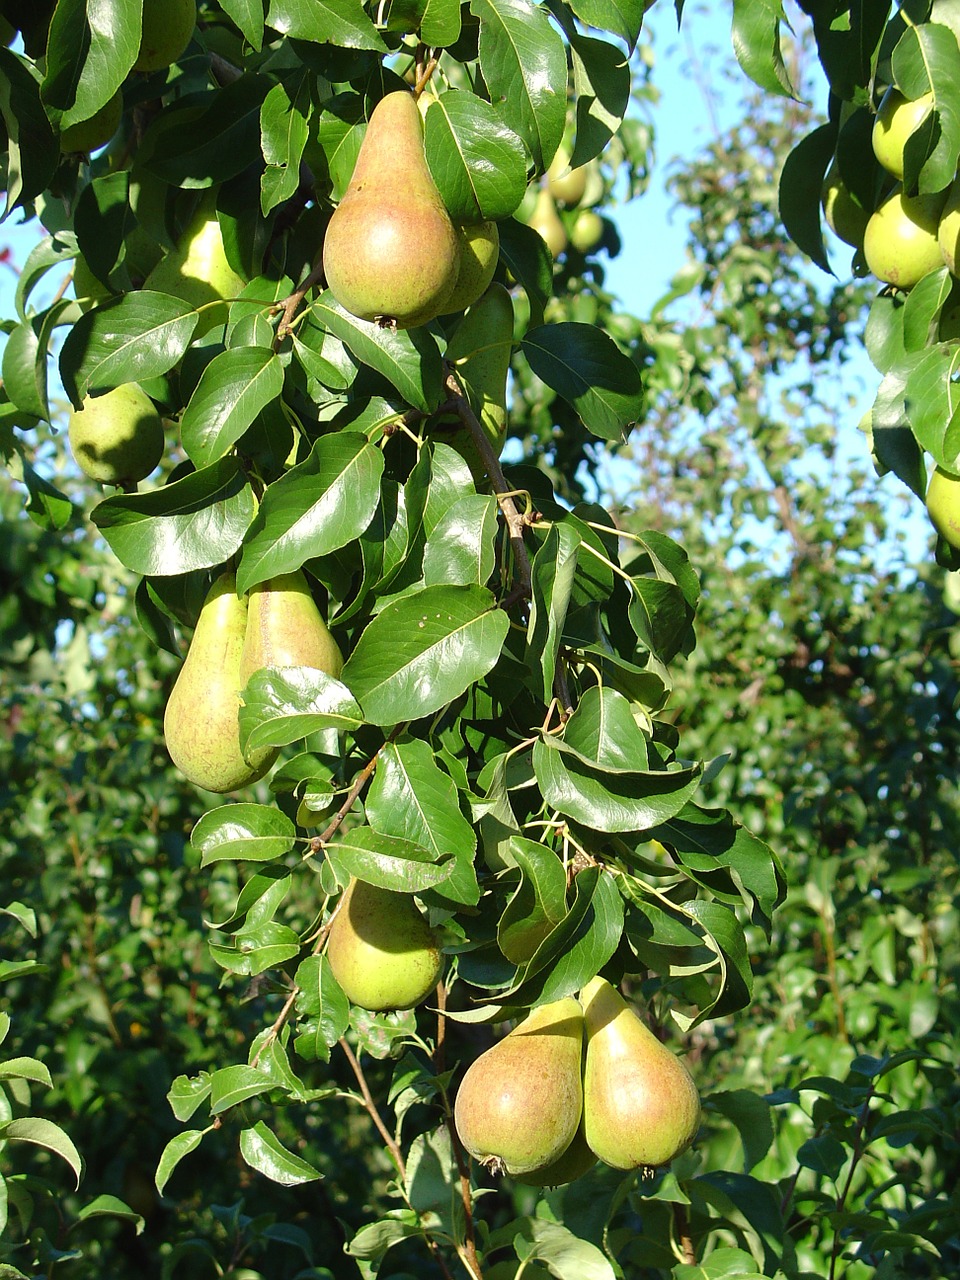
(343, 22)
(234, 387)
(756, 42)
(324, 1008)
(284, 704)
(552, 574)
(264, 1152)
(424, 650)
(187, 1093)
(585, 366)
(622, 17)
(209, 140)
(249, 17)
(477, 162)
(194, 523)
(243, 832)
(318, 506)
(801, 181)
(389, 862)
(32, 150)
(83, 74)
(180, 1145)
(460, 548)
(283, 135)
(39, 1132)
(566, 1255)
(537, 905)
(925, 60)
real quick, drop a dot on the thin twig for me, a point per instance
(371, 1108)
(516, 524)
(291, 304)
(468, 1251)
(683, 1234)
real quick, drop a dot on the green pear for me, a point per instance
(571, 1164)
(201, 724)
(117, 438)
(587, 232)
(382, 951)
(897, 119)
(519, 1104)
(567, 186)
(390, 252)
(546, 222)
(845, 218)
(900, 243)
(197, 270)
(641, 1108)
(479, 352)
(285, 629)
(89, 135)
(948, 229)
(165, 33)
(479, 253)
(943, 505)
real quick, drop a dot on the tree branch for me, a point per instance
(371, 1108)
(468, 1251)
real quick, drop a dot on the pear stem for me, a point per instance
(687, 1250)
(511, 514)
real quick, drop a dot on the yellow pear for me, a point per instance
(390, 252)
(641, 1108)
(479, 253)
(117, 438)
(381, 949)
(897, 119)
(201, 724)
(165, 33)
(566, 185)
(587, 232)
(845, 218)
(943, 505)
(948, 229)
(571, 1164)
(197, 270)
(519, 1104)
(900, 242)
(546, 222)
(88, 135)
(285, 629)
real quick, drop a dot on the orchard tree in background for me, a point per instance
(481, 716)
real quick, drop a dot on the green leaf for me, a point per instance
(263, 1151)
(552, 574)
(524, 67)
(585, 366)
(538, 904)
(477, 162)
(257, 947)
(43, 1133)
(194, 523)
(566, 1256)
(82, 75)
(187, 1093)
(234, 387)
(207, 140)
(283, 136)
(232, 1085)
(110, 1207)
(340, 22)
(622, 17)
(388, 862)
(407, 358)
(925, 60)
(460, 550)
(720, 1264)
(315, 508)
(283, 704)
(601, 82)
(25, 1069)
(440, 25)
(180, 1145)
(411, 797)
(128, 339)
(324, 1006)
(603, 730)
(243, 833)
(32, 150)
(25, 368)
(932, 404)
(607, 801)
(424, 650)
(756, 42)
(801, 181)
(824, 1155)
(248, 15)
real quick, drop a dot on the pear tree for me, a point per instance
(426, 695)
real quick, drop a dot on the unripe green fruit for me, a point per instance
(382, 951)
(845, 218)
(546, 222)
(900, 243)
(587, 232)
(117, 438)
(167, 28)
(567, 186)
(948, 231)
(897, 119)
(198, 271)
(88, 135)
(943, 505)
(479, 253)
(87, 286)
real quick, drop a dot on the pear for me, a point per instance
(573, 1163)
(641, 1108)
(898, 118)
(519, 1105)
(567, 185)
(480, 354)
(845, 218)
(197, 270)
(201, 724)
(117, 438)
(546, 222)
(165, 32)
(381, 950)
(285, 629)
(900, 242)
(948, 230)
(943, 505)
(390, 252)
(479, 252)
(88, 135)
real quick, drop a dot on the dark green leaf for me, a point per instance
(585, 366)
(388, 862)
(477, 162)
(234, 387)
(243, 832)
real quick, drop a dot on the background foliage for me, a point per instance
(824, 671)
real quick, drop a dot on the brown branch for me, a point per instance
(291, 304)
(683, 1234)
(371, 1108)
(516, 523)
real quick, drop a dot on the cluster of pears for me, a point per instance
(538, 1107)
(277, 625)
(391, 252)
(902, 240)
(573, 189)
